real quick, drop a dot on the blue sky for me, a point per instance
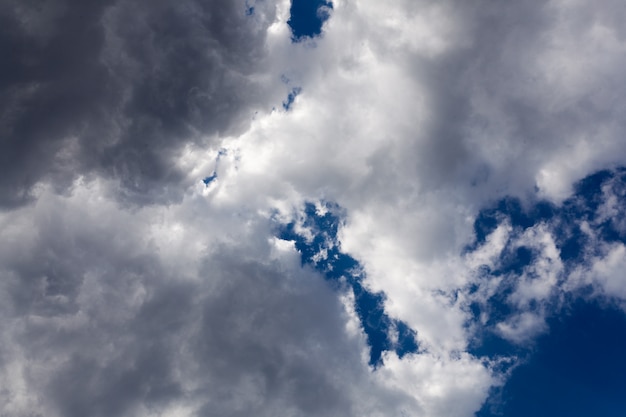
(312, 208)
(575, 369)
(307, 17)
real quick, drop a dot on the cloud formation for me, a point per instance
(118, 89)
(130, 286)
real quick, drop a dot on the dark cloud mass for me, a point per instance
(119, 88)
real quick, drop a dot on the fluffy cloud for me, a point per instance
(122, 316)
(131, 288)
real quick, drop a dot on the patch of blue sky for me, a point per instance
(307, 17)
(321, 250)
(576, 370)
(208, 180)
(291, 97)
(556, 377)
(249, 10)
(213, 177)
(565, 223)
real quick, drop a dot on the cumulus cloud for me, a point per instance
(118, 89)
(107, 326)
(130, 287)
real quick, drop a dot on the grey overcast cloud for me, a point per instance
(349, 208)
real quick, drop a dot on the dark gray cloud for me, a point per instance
(119, 87)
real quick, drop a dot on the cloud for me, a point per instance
(147, 317)
(117, 89)
(534, 261)
(132, 287)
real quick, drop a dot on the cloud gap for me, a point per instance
(556, 258)
(307, 17)
(321, 249)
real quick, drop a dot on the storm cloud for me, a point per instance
(119, 88)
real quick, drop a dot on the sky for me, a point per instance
(312, 208)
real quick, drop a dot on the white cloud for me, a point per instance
(540, 279)
(606, 272)
(520, 328)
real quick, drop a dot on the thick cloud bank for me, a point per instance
(119, 88)
(167, 170)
